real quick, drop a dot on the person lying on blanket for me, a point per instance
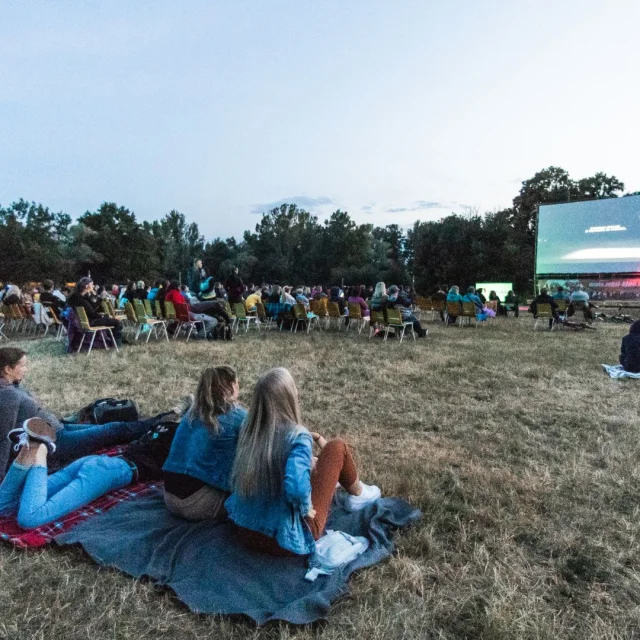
(198, 469)
(37, 498)
(281, 500)
(630, 349)
(73, 440)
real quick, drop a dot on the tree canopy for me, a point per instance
(289, 244)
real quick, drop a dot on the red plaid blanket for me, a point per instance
(11, 532)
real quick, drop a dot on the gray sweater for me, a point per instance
(16, 405)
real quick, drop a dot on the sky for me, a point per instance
(392, 111)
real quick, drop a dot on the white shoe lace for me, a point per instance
(23, 440)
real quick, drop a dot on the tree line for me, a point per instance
(290, 245)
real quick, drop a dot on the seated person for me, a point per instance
(252, 300)
(82, 297)
(579, 299)
(198, 469)
(440, 295)
(379, 298)
(544, 298)
(355, 297)
(453, 296)
(37, 498)
(286, 298)
(12, 295)
(511, 304)
(48, 299)
(280, 500)
(560, 294)
(630, 350)
(140, 292)
(197, 311)
(397, 300)
(337, 295)
(73, 440)
(482, 313)
(301, 298)
(480, 294)
(500, 310)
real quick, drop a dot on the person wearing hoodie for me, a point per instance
(630, 349)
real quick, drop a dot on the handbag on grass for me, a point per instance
(105, 410)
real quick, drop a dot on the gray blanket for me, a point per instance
(211, 572)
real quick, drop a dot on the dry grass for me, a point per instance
(521, 453)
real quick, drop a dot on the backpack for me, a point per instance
(103, 411)
(335, 549)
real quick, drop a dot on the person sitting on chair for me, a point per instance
(73, 440)
(579, 299)
(544, 298)
(397, 300)
(48, 299)
(511, 304)
(81, 297)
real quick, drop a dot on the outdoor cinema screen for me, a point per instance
(597, 236)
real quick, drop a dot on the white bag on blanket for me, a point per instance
(335, 549)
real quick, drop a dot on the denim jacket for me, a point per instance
(199, 453)
(282, 518)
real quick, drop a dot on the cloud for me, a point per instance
(398, 210)
(368, 208)
(302, 201)
(419, 205)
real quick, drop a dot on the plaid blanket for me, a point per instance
(11, 532)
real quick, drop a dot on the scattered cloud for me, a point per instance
(419, 205)
(302, 201)
(368, 208)
(398, 210)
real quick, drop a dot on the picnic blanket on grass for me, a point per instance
(212, 572)
(616, 371)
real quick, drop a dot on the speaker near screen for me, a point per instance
(595, 237)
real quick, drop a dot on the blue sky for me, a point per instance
(392, 111)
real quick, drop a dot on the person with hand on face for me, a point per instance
(280, 499)
(81, 297)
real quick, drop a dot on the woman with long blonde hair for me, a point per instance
(198, 469)
(280, 501)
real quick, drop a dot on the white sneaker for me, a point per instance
(370, 493)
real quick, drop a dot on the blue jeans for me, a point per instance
(76, 440)
(38, 498)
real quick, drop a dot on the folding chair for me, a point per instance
(356, 317)
(87, 330)
(544, 312)
(184, 320)
(242, 317)
(263, 318)
(377, 321)
(144, 320)
(468, 312)
(395, 321)
(334, 314)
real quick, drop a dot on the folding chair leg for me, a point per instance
(93, 337)
(84, 335)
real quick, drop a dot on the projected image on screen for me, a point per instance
(598, 236)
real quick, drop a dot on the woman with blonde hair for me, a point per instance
(280, 500)
(379, 297)
(197, 473)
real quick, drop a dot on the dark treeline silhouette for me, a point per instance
(289, 244)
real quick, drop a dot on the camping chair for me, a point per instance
(468, 312)
(184, 320)
(169, 310)
(157, 309)
(60, 328)
(143, 321)
(147, 308)
(41, 318)
(377, 321)
(242, 317)
(453, 309)
(263, 318)
(355, 317)
(394, 321)
(87, 330)
(300, 315)
(334, 314)
(544, 311)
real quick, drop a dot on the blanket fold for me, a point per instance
(211, 572)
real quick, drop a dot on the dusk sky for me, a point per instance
(393, 111)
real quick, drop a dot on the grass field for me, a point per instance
(521, 453)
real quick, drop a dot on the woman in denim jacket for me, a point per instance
(198, 469)
(281, 499)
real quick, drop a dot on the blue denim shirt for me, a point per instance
(197, 452)
(282, 518)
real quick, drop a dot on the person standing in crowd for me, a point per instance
(197, 275)
(234, 287)
(81, 297)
